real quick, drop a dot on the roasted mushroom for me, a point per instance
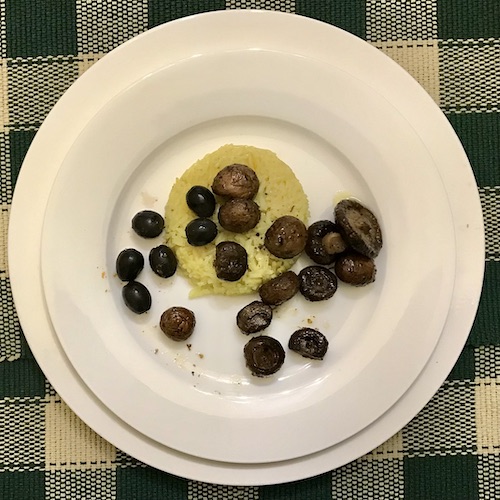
(309, 343)
(280, 289)
(254, 317)
(286, 238)
(177, 323)
(359, 227)
(355, 269)
(231, 261)
(239, 215)
(317, 283)
(236, 181)
(314, 247)
(263, 355)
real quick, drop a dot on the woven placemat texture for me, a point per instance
(451, 450)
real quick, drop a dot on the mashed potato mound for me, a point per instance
(280, 193)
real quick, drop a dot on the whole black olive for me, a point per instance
(231, 261)
(148, 224)
(254, 317)
(201, 231)
(129, 264)
(136, 297)
(315, 249)
(286, 238)
(163, 261)
(263, 355)
(177, 323)
(308, 343)
(355, 269)
(359, 227)
(280, 289)
(317, 283)
(201, 201)
(236, 181)
(239, 215)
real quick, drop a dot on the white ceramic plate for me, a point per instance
(244, 30)
(326, 125)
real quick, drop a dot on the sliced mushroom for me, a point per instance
(309, 343)
(317, 283)
(254, 317)
(264, 355)
(359, 227)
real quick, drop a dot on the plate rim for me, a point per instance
(476, 274)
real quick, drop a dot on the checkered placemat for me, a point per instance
(451, 450)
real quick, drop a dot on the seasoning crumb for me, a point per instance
(310, 320)
(156, 351)
(200, 355)
(189, 346)
(192, 373)
(103, 274)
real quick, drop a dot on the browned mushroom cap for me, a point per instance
(236, 181)
(359, 227)
(239, 215)
(286, 238)
(264, 355)
(314, 246)
(231, 261)
(355, 269)
(280, 289)
(177, 323)
(254, 317)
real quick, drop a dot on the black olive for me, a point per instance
(263, 355)
(201, 231)
(163, 261)
(201, 201)
(317, 283)
(308, 343)
(359, 227)
(148, 224)
(231, 261)
(129, 264)
(239, 215)
(177, 323)
(314, 246)
(254, 317)
(286, 238)
(136, 297)
(355, 269)
(236, 181)
(280, 289)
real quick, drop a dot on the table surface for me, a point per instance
(451, 449)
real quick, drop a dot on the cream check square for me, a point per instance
(420, 58)
(4, 225)
(198, 490)
(487, 414)
(4, 96)
(85, 61)
(70, 444)
(392, 448)
(280, 5)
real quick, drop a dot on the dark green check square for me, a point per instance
(349, 16)
(19, 143)
(480, 136)
(40, 28)
(485, 329)
(317, 488)
(22, 485)
(137, 483)
(21, 378)
(464, 368)
(468, 19)
(162, 11)
(441, 478)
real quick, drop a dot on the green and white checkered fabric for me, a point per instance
(451, 450)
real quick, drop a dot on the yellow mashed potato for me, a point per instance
(280, 193)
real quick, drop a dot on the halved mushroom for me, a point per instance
(359, 227)
(264, 355)
(355, 269)
(309, 343)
